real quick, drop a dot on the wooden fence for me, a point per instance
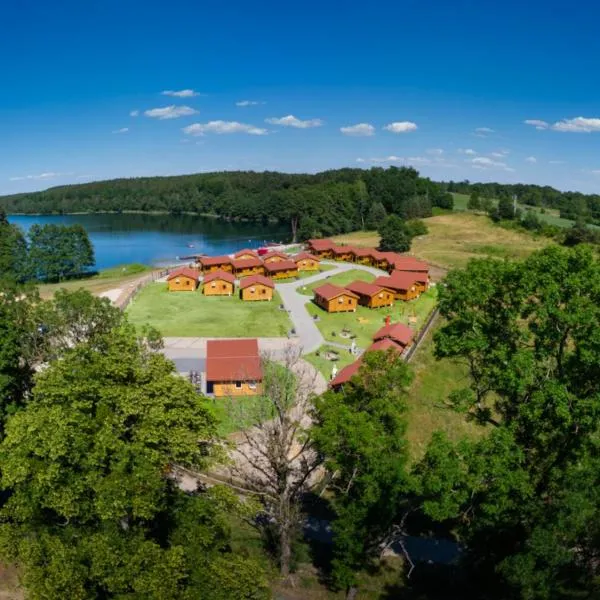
(128, 294)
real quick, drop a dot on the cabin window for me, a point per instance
(177, 280)
(238, 385)
(340, 300)
(263, 291)
(224, 287)
(252, 290)
(213, 285)
(381, 295)
(252, 385)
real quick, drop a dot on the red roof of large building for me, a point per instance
(346, 374)
(216, 275)
(404, 276)
(375, 254)
(343, 249)
(275, 254)
(305, 256)
(328, 291)
(255, 280)
(210, 261)
(184, 272)
(409, 263)
(361, 251)
(384, 345)
(399, 280)
(233, 360)
(320, 245)
(246, 263)
(362, 288)
(398, 332)
(246, 251)
(281, 265)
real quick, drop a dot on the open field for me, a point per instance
(191, 314)
(341, 279)
(324, 366)
(96, 284)
(365, 322)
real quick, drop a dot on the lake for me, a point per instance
(160, 239)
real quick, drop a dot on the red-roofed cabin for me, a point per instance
(243, 267)
(320, 248)
(218, 283)
(208, 264)
(345, 375)
(343, 253)
(421, 277)
(362, 256)
(384, 345)
(409, 264)
(256, 287)
(306, 262)
(379, 260)
(233, 368)
(397, 332)
(183, 279)
(333, 298)
(246, 253)
(273, 257)
(281, 269)
(371, 295)
(404, 285)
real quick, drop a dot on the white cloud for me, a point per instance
(223, 127)
(435, 151)
(556, 162)
(437, 161)
(401, 127)
(134, 113)
(595, 171)
(170, 112)
(122, 130)
(483, 162)
(249, 103)
(537, 123)
(467, 151)
(483, 131)
(578, 125)
(385, 159)
(180, 93)
(292, 121)
(41, 176)
(531, 159)
(358, 130)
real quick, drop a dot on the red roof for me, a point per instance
(384, 345)
(362, 251)
(398, 332)
(399, 280)
(281, 265)
(246, 251)
(246, 263)
(272, 254)
(362, 288)
(210, 261)
(304, 256)
(377, 255)
(233, 360)
(330, 291)
(343, 249)
(346, 374)
(184, 272)
(404, 276)
(409, 263)
(321, 245)
(255, 280)
(216, 275)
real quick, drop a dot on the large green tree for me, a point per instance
(394, 235)
(13, 251)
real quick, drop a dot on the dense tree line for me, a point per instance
(323, 204)
(48, 252)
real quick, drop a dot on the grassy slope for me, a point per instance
(191, 314)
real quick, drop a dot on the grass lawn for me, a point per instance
(365, 322)
(191, 314)
(323, 365)
(100, 282)
(305, 274)
(341, 279)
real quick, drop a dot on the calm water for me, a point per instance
(160, 239)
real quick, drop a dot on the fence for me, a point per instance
(422, 333)
(128, 294)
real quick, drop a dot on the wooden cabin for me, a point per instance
(371, 295)
(256, 287)
(345, 375)
(218, 283)
(246, 253)
(320, 248)
(379, 260)
(273, 257)
(421, 279)
(409, 264)
(306, 262)
(343, 253)
(282, 269)
(333, 298)
(243, 267)
(183, 279)
(384, 345)
(362, 256)
(209, 264)
(397, 332)
(403, 285)
(233, 368)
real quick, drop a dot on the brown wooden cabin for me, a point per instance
(320, 248)
(218, 283)
(421, 279)
(183, 279)
(404, 285)
(256, 287)
(273, 257)
(283, 269)
(371, 295)
(306, 262)
(233, 368)
(362, 256)
(410, 265)
(333, 298)
(243, 267)
(343, 253)
(208, 264)
(379, 260)
(246, 253)
(397, 332)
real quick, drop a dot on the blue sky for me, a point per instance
(444, 86)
